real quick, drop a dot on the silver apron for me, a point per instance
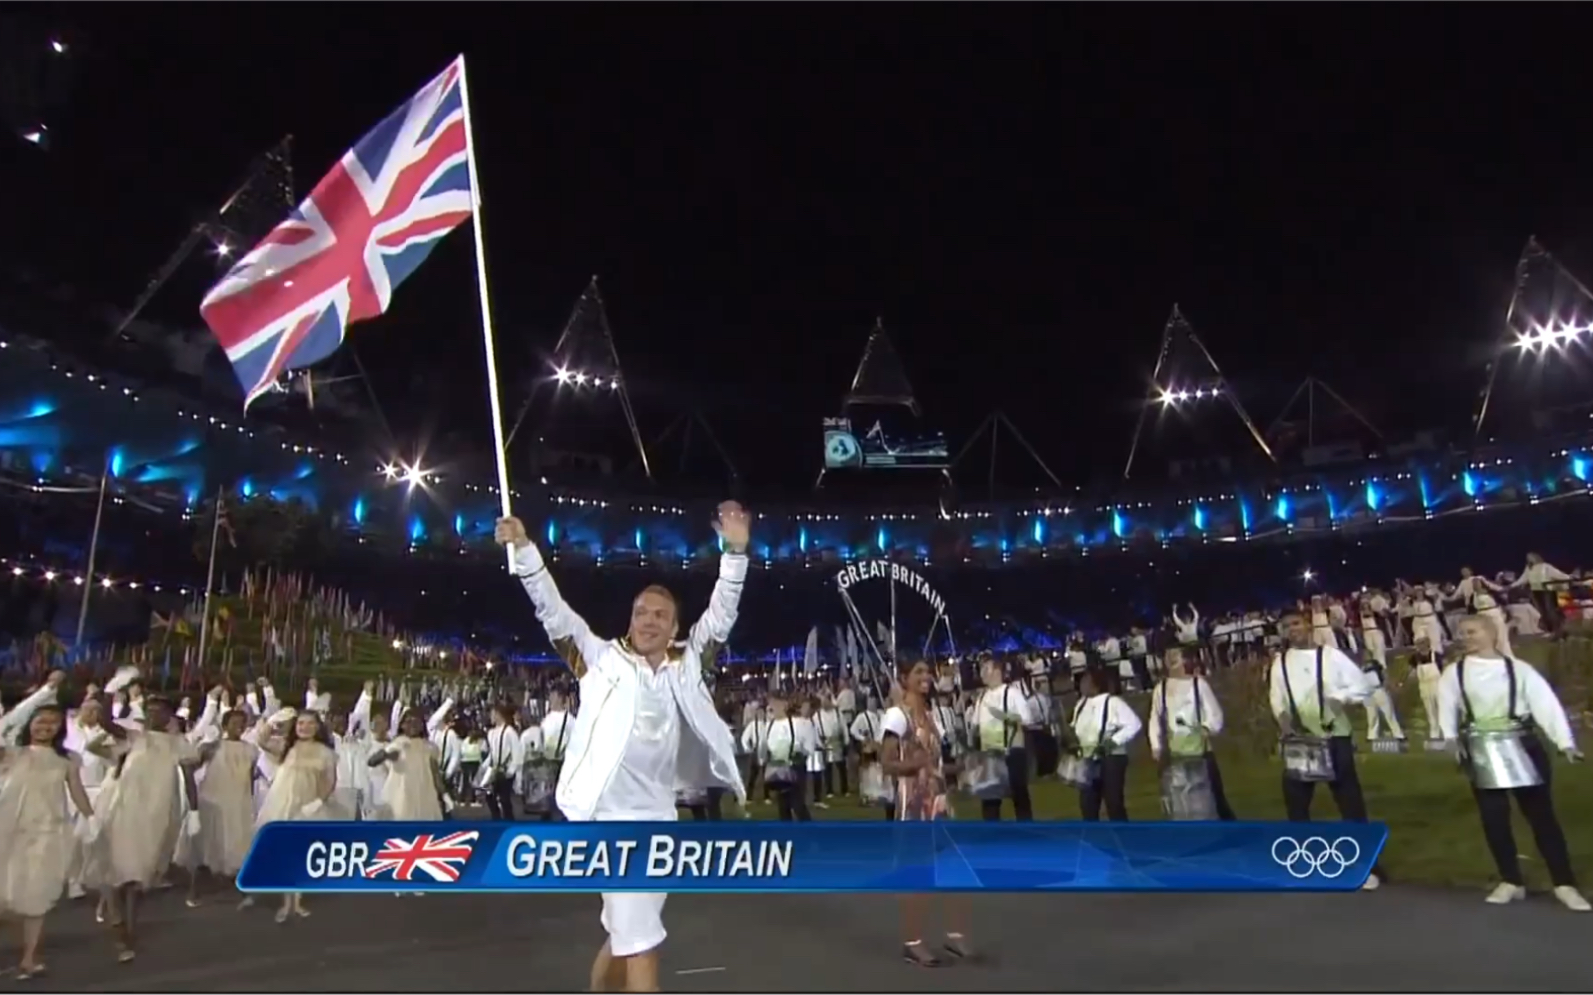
(1186, 791)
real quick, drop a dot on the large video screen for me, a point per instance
(879, 445)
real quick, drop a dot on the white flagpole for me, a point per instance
(94, 545)
(500, 446)
(210, 585)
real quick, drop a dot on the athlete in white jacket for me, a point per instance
(645, 725)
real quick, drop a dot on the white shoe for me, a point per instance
(1372, 883)
(1504, 893)
(1572, 899)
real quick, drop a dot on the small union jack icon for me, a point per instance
(440, 858)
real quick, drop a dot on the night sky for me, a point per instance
(1022, 192)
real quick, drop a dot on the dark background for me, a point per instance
(1021, 191)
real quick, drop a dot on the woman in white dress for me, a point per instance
(305, 778)
(226, 802)
(36, 842)
(141, 815)
(413, 787)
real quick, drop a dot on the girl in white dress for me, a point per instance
(141, 814)
(413, 788)
(305, 778)
(226, 802)
(36, 843)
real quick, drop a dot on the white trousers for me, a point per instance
(1375, 644)
(1427, 674)
(1380, 709)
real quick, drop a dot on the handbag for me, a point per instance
(1305, 758)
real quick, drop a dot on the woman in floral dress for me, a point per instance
(911, 753)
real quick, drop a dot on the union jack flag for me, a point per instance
(364, 228)
(441, 858)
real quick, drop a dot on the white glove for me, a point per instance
(311, 809)
(191, 824)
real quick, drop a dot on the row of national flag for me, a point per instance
(337, 259)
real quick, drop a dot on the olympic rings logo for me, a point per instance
(1315, 855)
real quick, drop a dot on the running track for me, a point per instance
(1410, 939)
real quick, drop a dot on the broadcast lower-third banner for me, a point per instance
(744, 856)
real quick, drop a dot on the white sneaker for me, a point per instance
(1372, 883)
(1504, 893)
(1572, 899)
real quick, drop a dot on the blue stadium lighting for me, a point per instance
(1283, 510)
(459, 524)
(41, 409)
(641, 546)
(1579, 468)
(417, 529)
(1374, 496)
(802, 539)
(881, 540)
(359, 511)
(1244, 516)
(1468, 483)
(1119, 524)
(1427, 498)
(553, 533)
(118, 461)
(246, 487)
(1200, 518)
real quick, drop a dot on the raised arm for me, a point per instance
(712, 630)
(359, 717)
(439, 718)
(17, 719)
(572, 638)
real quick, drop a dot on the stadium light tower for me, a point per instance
(1548, 316)
(1173, 386)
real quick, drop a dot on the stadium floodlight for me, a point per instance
(1554, 335)
(49, 575)
(388, 470)
(1308, 576)
(414, 475)
(1176, 395)
(562, 375)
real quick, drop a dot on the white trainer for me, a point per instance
(1504, 893)
(1373, 882)
(1572, 899)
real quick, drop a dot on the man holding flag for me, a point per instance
(646, 724)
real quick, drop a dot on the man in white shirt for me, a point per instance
(645, 725)
(1001, 712)
(1311, 687)
(504, 759)
(1543, 580)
